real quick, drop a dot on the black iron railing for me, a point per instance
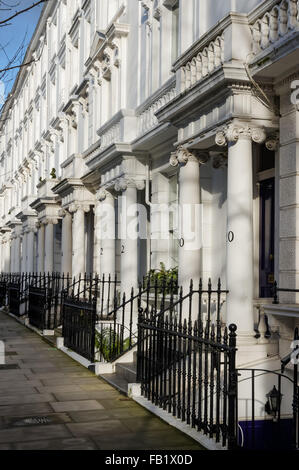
(86, 298)
(276, 290)
(44, 310)
(18, 292)
(186, 362)
(116, 329)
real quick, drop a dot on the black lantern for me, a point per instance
(273, 402)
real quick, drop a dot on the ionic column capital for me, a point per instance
(122, 184)
(62, 213)
(78, 207)
(219, 160)
(50, 221)
(272, 142)
(183, 155)
(103, 194)
(232, 133)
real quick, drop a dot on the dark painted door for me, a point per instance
(267, 227)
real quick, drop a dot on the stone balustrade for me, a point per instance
(207, 58)
(147, 119)
(274, 25)
(111, 135)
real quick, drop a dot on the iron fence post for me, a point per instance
(232, 390)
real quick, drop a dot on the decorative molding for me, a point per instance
(232, 133)
(183, 155)
(272, 143)
(74, 207)
(219, 160)
(271, 26)
(122, 184)
(206, 60)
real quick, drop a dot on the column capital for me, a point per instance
(219, 159)
(50, 220)
(74, 207)
(183, 155)
(62, 213)
(102, 194)
(272, 142)
(122, 184)
(233, 132)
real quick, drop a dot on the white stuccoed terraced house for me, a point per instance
(189, 102)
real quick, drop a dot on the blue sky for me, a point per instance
(12, 36)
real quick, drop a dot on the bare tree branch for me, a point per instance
(17, 13)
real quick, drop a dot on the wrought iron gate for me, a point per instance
(44, 309)
(187, 366)
(79, 319)
(14, 297)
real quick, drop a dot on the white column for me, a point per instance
(24, 252)
(129, 240)
(7, 254)
(17, 266)
(41, 249)
(49, 247)
(190, 220)
(12, 254)
(30, 251)
(66, 243)
(106, 233)
(159, 212)
(129, 247)
(239, 271)
(78, 240)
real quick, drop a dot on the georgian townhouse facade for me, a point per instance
(160, 103)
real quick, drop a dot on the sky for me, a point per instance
(12, 36)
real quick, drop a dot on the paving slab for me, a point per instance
(33, 433)
(93, 395)
(55, 444)
(50, 402)
(76, 405)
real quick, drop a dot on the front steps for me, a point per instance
(125, 374)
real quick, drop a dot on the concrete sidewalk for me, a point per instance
(48, 401)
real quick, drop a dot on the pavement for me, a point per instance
(50, 402)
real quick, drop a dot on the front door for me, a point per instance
(267, 214)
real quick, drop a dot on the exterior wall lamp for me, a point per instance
(273, 402)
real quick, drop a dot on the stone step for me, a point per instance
(124, 374)
(116, 381)
(126, 371)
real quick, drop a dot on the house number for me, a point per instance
(102, 251)
(231, 236)
(182, 242)
(122, 249)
